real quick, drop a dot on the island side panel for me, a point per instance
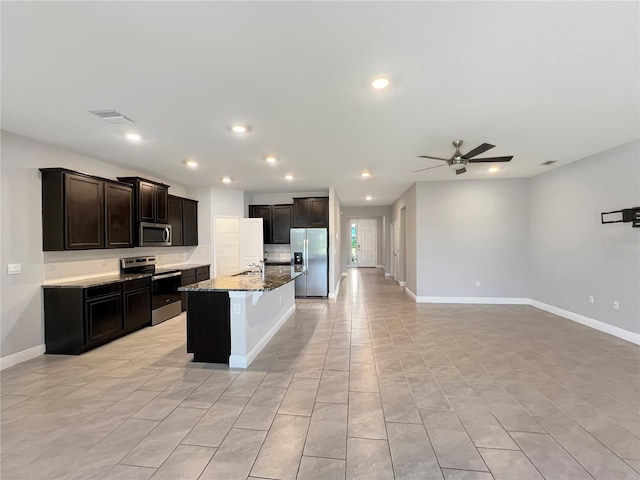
(208, 329)
(255, 318)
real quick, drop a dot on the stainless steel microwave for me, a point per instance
(154, 235)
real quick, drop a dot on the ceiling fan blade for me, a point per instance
(435, 158)
(491, 159)
(478, 150)
(460, 171)
(428, 168)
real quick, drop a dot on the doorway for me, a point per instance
(395, 250)
(363, 242)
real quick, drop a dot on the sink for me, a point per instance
(247, 273)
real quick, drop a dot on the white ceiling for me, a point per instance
(542, 81)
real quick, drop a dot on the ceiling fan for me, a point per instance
(458, 161)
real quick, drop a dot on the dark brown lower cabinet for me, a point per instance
(193, 275)
(208, 326)
(136, 298)
(78, 319)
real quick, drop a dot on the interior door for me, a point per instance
(227, 245)
(396, 252)
(251, 241)
(367, 239)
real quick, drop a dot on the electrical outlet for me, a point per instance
(477, 283)
(280, 299)
(591, 299)
(51, 267)
(616, 305)
(236, 309)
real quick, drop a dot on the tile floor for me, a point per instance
(371, 386)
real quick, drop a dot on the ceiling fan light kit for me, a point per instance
(458, 161)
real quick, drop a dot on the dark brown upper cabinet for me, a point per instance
(81, 212)
(311, 212)
(150, 199)
(189, 222)
(263, 212)
(175, 220)
(183, 218)
(119, 215)
(281, 223)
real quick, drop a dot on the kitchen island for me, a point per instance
(231, 319)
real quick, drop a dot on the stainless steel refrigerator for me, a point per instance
(310, 253)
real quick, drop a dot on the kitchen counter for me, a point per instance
(107, 279)
(274, 277)
(231, 319)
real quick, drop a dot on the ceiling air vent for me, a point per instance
(548, 162)
(111, 116)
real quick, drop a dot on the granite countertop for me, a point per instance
(274, 277)
(107, 279)
(186, 266)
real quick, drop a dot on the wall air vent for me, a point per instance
(548, 162)
(111, 116)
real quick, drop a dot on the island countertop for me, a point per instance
(274, 277)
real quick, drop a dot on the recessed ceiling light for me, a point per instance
(271, 159)
(191, 163)
(288, 177)
(493, 169)
(369, 197)
(239, 128)
(365, 174)
(380, 83)
(134, 137)
(226, 180)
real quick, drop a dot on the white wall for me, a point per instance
(335, 247)
(470, 231)
(572, 254)
(383, 216)
(408, 253)
(21, 323)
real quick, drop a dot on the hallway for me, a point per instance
(370, 386)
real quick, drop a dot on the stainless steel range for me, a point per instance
(166, 300)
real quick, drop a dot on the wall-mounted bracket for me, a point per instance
(625, 215)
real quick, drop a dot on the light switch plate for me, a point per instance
(14, 269)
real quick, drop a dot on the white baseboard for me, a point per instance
(476, 300)
(344, 274)
(589, 322)
(387, 274)
(23, 356)
(335, 295)
(243, 361)
(410, 294)
(380, 266)
(402, 284)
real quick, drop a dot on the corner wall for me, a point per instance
(572, 254)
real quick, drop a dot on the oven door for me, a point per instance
(165, 289)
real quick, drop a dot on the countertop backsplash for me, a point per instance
(277, 253)
(73, 265)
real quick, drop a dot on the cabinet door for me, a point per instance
(281, 227)
(263, 212)
(319, 212)
(189, 222)
(175, 220)
(137, 308)
(146, 202)
(118, 210)
(162, 211)
(84, 212)
(301, 212)
(104, 318)
(188, 277)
